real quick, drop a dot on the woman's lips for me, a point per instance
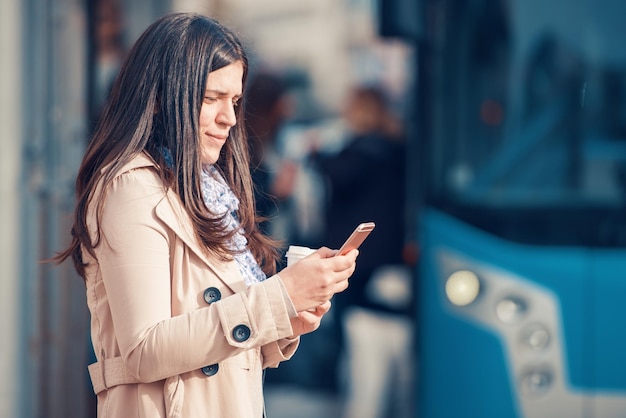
(220, 138)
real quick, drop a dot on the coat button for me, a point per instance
(241, 333)
(212, 294)
(210, 370)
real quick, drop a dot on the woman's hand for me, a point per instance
(314, 280)
(309, 320)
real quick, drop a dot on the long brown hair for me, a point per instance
(155, 105)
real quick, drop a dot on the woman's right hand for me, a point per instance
(314, 280)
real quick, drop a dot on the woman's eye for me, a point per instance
(209, 99)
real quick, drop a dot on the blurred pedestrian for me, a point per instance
(366, 182)
(268, 107)
(109, 52)
(186, 308)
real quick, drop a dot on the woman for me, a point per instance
(183, 318)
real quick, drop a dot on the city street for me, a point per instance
(291, 402)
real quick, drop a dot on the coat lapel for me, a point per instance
(171, 212)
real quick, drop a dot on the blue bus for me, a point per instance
(520, 161)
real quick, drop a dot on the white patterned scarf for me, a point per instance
(221, 200)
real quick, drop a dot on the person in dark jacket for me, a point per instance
(366, 182)
(268, 107)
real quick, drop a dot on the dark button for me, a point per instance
(212, 294)
(241, 333)
(210, 370)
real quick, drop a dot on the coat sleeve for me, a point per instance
(133, 259)
(276, 352)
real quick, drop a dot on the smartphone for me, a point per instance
(357, 237)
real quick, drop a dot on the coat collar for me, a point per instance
(172, 213)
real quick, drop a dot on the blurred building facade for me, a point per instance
(10, 102)
(53, 71)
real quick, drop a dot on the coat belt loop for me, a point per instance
(102, 371)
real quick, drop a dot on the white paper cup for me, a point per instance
(295, 253)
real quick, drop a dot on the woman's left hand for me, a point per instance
(309, 320)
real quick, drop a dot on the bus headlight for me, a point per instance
(536, 337)
(462, 287)
(536, 382)
(511, 309)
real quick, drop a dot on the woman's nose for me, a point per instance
(226, 115)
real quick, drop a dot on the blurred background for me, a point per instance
(486, 138)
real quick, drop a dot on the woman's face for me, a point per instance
(217, 115)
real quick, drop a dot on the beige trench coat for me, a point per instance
(176, 333)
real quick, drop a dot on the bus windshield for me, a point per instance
(527, 115)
